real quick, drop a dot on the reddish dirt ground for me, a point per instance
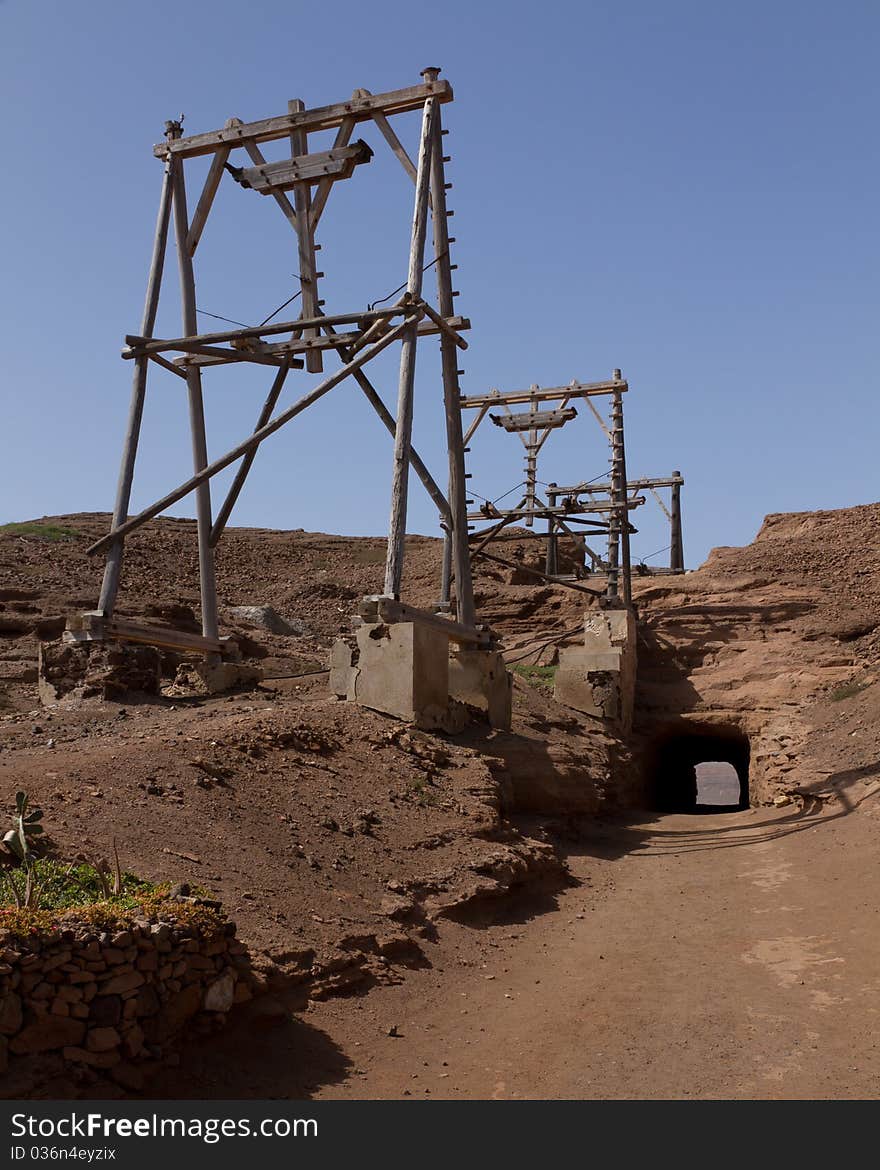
(419, 937)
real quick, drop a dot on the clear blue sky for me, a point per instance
(687, 190)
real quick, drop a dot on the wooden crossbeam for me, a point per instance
(271, 354)
(391, 611)
(145, 345)
(337, 163)
(599, 489)
(361, 109)
(94, 627)
(537, 419)
(545, 394)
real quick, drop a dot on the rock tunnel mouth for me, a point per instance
(688, 770)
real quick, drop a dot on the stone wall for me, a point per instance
(86, 999)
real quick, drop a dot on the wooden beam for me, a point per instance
(110, 582)
(529, 571)
(254, 441)
(92, 627)
(546, 394)
(406, 383)
(143, 345)
(524, 421)
(335, 341)
(359, 109)
(392, 611)
(334, 164)
(325, 186)
(280, 198)
(206, 199)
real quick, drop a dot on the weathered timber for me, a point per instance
(544, 394)
(277, 350)
(206, 200)
(372, 396)
(360, 109)
(336, 163)
(403, 429)
(456, 554)
(529, 571)
(143, 345)
(254, 441)
(392, 611)
(241, 475)
(207, 583)
(534, 419)
(110, 583)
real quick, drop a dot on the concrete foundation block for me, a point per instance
(480, 679)
(599, 678)
(401, 669)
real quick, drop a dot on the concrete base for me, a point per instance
(480, 679)
(599, 678)
(405, 669)
(401, 669)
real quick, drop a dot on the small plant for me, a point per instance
(538, 676)
(19, 841)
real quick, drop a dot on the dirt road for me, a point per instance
(715, 956)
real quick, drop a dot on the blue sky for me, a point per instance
(685, 190)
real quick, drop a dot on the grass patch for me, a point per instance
(541, 677)
(72, 896)
(847, 691)
(38, 530)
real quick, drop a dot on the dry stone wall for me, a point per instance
(102, 1000)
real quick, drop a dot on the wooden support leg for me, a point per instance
(196, 408)
(246, 463)
(457, 538)
(446, 566)
(372, 396)
(113, 566)
(552, 563)
(302, 202)
(676, 547)
(623, 510)
(403, 431)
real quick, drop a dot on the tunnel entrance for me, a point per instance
(698, 770)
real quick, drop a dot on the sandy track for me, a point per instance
(713, 957)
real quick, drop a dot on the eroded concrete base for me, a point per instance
(480, 680)
(405, 669)
(599, 678)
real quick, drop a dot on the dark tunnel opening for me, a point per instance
(688, 770)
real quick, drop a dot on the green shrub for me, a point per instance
(541, 677)
(38, 530)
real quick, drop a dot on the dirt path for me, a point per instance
(714, 956)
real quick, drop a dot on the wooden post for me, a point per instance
(302, 202)
(110, 583)
(444, 603)
(196, 405)
(552, 564)
(676, 547)
(253, 441)
(403, 429)
(619, 556)
(456, 551)
(246, 463)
